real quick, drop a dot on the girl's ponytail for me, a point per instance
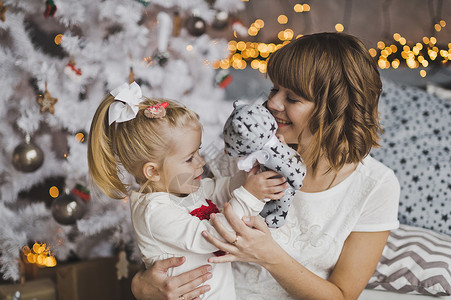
(102, 161)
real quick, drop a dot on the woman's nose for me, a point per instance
(275, 103)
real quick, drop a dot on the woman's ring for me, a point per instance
(236, 240)
(181, 297)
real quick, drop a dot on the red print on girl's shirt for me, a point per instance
(204, 213)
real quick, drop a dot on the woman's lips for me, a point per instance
(281, 122)
(198, 177)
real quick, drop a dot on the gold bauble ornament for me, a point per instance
(27, 157)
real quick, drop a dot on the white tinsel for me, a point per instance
(104, 39)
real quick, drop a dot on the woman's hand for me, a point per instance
(154, 283)
(252, 241)
(265, 185)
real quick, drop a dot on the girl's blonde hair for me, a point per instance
(336, 73)
(131, 144)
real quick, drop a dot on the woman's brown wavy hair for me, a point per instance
(337, 74)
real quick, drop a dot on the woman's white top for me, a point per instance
(319, 223)
(164, 228)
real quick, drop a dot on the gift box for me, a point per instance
(93, 280)
(40, 289)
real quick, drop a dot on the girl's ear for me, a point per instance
(150, 170)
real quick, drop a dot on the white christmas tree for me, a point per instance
(57, 61)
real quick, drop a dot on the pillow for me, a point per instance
(415, 261)
(416, 145)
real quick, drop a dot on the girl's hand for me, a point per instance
(154, 283)
(281, 138)
(265, 185)
(252, 241)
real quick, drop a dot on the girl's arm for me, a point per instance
(357, 262)
(260, 184)
(174, 228)
(248, 199)
(153, 283)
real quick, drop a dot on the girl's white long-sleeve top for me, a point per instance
(165, 228)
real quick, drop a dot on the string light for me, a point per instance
(80, 137)
(243, 54)
(148, 60)
(415, 55)
(58, 39)
(388, 54)
(259, 23)
(282, 19)
(339, 27)
(253, 31)
(301, 7)
(298, 8)
(39, 254)
(54, 192)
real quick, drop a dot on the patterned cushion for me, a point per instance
(415, 261)
(417, 146)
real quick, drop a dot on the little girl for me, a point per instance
(158, 143)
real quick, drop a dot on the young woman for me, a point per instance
(325, 98)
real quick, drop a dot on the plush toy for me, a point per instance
(250, 133)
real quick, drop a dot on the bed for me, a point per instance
(416, 263)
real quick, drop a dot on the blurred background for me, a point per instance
(59, 58)
(402, 28)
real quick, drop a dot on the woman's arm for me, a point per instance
(155, 284)
(359, 257)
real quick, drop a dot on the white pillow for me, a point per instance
(415, 261)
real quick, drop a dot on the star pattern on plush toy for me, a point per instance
(273, 128)
(284, 214)
(250, 129)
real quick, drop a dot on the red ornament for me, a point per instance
(71, 65)
(204, 213)
(81, 192)
(50, 8)
(223, 78)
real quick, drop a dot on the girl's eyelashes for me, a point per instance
(192, 156)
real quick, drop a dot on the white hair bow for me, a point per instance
(126, 108)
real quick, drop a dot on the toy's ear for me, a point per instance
(237, 103)
(150, 170)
